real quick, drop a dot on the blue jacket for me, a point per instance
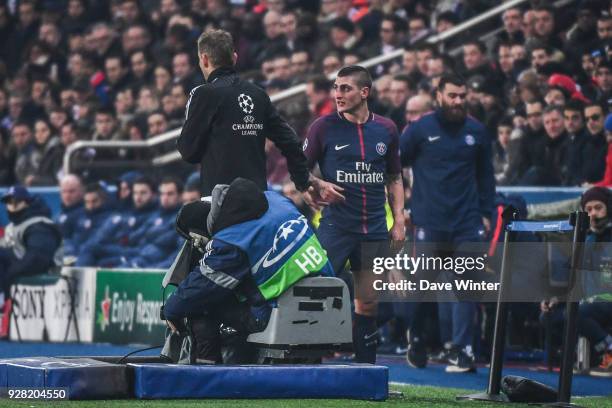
(41, 241)
(454, 183)
(67, 221)
(87, 225)
(156, 242)
(258, 258)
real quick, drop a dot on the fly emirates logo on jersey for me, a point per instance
(363, 174)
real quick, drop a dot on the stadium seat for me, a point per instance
(310, 320)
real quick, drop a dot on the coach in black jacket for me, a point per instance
(228, 120)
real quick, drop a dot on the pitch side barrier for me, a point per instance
(472, 271)
(578, 226)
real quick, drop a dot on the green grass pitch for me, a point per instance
(414, 396)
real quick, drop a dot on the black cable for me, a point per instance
(122, 359)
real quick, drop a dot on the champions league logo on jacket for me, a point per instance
(246, 103)
(287, 236)
(248, 128)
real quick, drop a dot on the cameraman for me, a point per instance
(255, 238)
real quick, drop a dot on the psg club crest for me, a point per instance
(469, 140)
(381, 148)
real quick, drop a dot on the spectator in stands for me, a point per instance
(544, 28)
(122, 230)
(24, 151)
(603, 78)
(71, 196)
(140, 67)
(417, 28)
(532, 141)
(97, 209)
(163, 78)
(502, 152)
(301, 66)
(50, 153)
(595, 315)
(106, 125)
(541, 54)
(184, 71)
(475, 61)
(331, 63)
(573, 120)
(392, 35)
(553, 164)
(424, 53)
(595, 146)
(512, 32)
(32, 242)
(416, 107)
(607, 179)
(401, 89)
(157, 123)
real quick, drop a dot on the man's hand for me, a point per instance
(486, 223)
(322, 193)
(398, 233)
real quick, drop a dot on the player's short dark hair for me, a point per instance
(450, 78)
(173, 180)
(360, 74)
(219, 46)
(146, 180)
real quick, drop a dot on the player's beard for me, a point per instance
(453, 114)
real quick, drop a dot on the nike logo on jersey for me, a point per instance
(341, 147)
(433, 138)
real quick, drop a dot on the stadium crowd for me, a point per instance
(123, 69)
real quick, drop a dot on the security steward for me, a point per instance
(260, 245)
(32, 242)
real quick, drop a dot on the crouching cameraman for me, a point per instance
(259, 246)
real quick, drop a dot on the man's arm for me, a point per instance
(395, 188)
(408, 145)
(285, 138)
(200, 111)
(320, 192)
(485, 176)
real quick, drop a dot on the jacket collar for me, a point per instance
(219, 72)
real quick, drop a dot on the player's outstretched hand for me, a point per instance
(322, 193)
